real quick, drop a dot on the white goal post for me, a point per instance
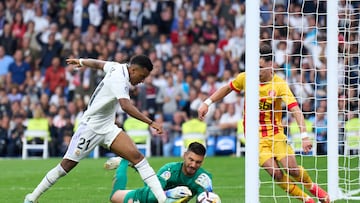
(342, 168)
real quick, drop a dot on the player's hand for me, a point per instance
(306, 144)
(158, 127)
(205, 182)
(178, 192)
(74, 62)
(202, 111)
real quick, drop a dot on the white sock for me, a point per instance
(147, 173)
(50, 179)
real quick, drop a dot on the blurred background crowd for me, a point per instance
(196, 47)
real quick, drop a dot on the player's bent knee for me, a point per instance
(68, 165)
(294, 172)
(278, 175)
(135, 157)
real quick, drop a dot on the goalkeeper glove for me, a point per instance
(205, 182)
(178, 192)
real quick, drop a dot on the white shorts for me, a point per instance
(85, 140)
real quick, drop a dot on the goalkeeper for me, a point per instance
(180, 180)
(274, 152)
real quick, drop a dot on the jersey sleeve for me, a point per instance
(238, 83)
(164, 175)
(287, 95)
(108, 65)
(119, 82)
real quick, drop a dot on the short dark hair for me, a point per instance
(266, 52)
(142, 61)
(197, 148)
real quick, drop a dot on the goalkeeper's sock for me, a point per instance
(50, 179)
(120, 179)
(291, 188)
(304, 178)
(148, 175)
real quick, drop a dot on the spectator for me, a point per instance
(196, 26)
(224, 9)
(179, 117)
(16, 133)
(85, 14)
(266, 12)
(58, 97)
(54, 76)
(134, 11)
(152, 34)
(41, 21)
(147, 96)
(65, 134)
(169, 97)
(4, 103)
(165, 9)
(163, 48)
(19, 71)
(210, 85)
(235, 47)
(63, 21)
(34, 46)
(229, 120)
(90, 51)
(5, 61)
(158, 141)
(4, 132)
(320, 124)
(58, 122)
(181, 32)
(8, 40)
(27, 106)
(209, 31)
(238, 10)
(2, 17)
(49, 51)
(14, 94)
(53, 29)
(44, 103)
(91, 35)
(211, 63)
(115, 10)
(18, 26)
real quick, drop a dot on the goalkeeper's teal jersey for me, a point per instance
(170, 176)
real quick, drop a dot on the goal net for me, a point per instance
(316, 50)
(348, 112)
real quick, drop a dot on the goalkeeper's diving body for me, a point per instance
(274, 152)
(180, 180)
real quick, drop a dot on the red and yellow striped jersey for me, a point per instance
(271, 96)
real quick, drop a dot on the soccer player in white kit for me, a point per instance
(97, 126)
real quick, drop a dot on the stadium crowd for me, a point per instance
(196, 47)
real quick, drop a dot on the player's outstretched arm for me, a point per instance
(134, 112)
(218, 95)
(299, 117)
(91, 63)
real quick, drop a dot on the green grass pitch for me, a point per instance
(90, 183)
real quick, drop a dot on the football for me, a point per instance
(208, 197)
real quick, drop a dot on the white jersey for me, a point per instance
(103, 104)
